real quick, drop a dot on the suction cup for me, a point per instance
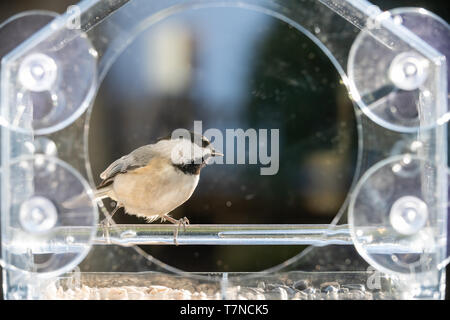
(428, 26)
(50, 84)
(393, 83)
(393, 215)
(52, 215)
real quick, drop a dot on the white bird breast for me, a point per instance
(155, 189)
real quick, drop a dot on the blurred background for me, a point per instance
(232, 68)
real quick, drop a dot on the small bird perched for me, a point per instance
(155, 179)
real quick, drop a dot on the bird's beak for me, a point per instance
(215, 153)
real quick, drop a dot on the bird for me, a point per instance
(155, 179)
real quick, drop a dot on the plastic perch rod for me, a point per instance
(223, 234)
(64, 239)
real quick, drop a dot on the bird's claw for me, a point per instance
(181, 222)
(105, 224)
(184, 222)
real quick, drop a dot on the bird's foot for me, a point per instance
(108, 221)
(105, 224)
(181, 222)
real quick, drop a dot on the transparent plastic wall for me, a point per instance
(388, 240)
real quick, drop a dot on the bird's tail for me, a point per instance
(80, 200)
(102, 193)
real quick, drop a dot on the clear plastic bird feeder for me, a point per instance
(388, 239)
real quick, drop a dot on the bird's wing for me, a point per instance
(136, 159)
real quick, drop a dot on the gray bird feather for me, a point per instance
(136, 159)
